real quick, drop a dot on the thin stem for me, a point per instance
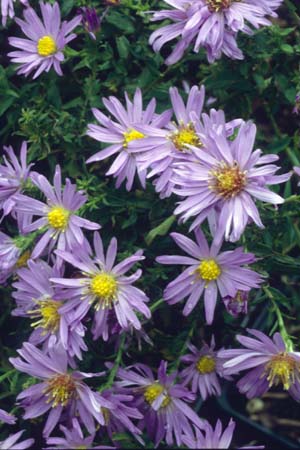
(156, 305)
(116, 365)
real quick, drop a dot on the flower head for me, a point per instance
(11, 442)
(121, 132)
(162, 401)
(60, 391)
(105, 286)
(269, 362)
(203, 371)
(46, 41)
(225, 176)
(238, 304)
(14, 175)
(208, 272)
(35, 296)
(211, 24)
(90, 20)
(63, 227)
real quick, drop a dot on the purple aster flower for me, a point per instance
(270, 363)
(58, 216)
(14, 176)
(208, 271)
(204, 370)
(11, 442)
(161, 401)
(60, 391)
(226, 175)
(296, 109)
(90, 20)
(7, 9)
(46, 41)
(121, 132)
(7, 418)
(35, 298)
(165, 145)
(237, 304)
(74, 438)
(211, 24)
(214, 438)
(105, 286)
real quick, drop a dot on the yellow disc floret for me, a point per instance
(153, 391)
(58, 218)
(46, 46)
(282, 368)
(48, 315)
(132, 135)
(186, 135)
(206, 364)
(209, 270)
(104, 286)
(219, 5)
(60, 389)
(228, 181)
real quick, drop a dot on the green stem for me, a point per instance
(116, 365)
(281, 325)
(292, 10)
(156, 305)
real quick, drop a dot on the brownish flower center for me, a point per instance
(228, 181)
(60, 390)
(282, 368)
(219, 5)
(206, 364)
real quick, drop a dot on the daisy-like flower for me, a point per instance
(7, 418)
(14, 175)
(162, 402)
(46, 41)
(211, 24)
(105, 286)
(11, 442)
(269, 362)
(35, 298)
(226, 175)
(121, 132)
(7, 9)
(238, 304)
(164, 145)
(204, 370)
(208, 271)
(74, 438)
(214, 438)
(63, 227)
(90, 20)
(60, 391)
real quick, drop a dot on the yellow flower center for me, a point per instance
(60, 389)
(58, 218)
(153, 391)
(22, 261)
(219, 5)
(48, 315)
(131, 135)
(206, 364)
(186, 135)
(281, 369)
(46, 46)
(104, 286)
(209, 270)
(228, 181)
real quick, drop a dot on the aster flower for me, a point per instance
(11, 442)
(14, 175)
(214, 438)
(60, 391)
(225, 176)
(211, 24)
(7, 418)
(208, 271)
(105, 286)
(269, 362)
(58, 216)
(7, 9)
(162, 402)
(237, 304)
(46, 41)
(74, 438)
(90, 20)
(204, 370)
(35, 298)
(121, 132)
(164, 145)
